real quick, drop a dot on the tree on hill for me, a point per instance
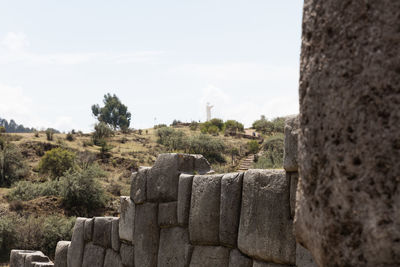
(114, 113)
(13, 127)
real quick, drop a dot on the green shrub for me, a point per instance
(2, 129)
(171, 138)
(233, 127)
(265, 126)
(8, 235)
(272, 157)
(56, 161)
(80, 191)
(253, 146)
(194, 125)
(210, 147)
(36, 134)
(49, 134)
(12, 166)
(158, 126)
(26, 190)
(101, 132)
(70, 137)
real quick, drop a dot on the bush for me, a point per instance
(272, 157)
(2, 129)
(26, 190)
(268, 127)
(233, 127)
(49, 134)
(101, 132)
(12, 166)
(70, 137)
(209, 147)
(171, 138)
(158, 126)
(253, 146)
(80, 191)
(36, 133)
(56, 161)
(194, 125)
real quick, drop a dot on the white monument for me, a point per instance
(208, 109)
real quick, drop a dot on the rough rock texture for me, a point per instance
(267, 264)
(294, 178)
(348, 210)
(127, 251)
(138, 185)
(210, 256)
(304, 257)
(112, 259)
(93, 256)
(17, 257)
(31, 259)
(61, 254)
(237, 259)
(231, 195)
(88, 229)
(167, 214)
(201, 164)
(42, 264)
(204, 211)
(102, 231)
(290, 158)
(75, 250)
(127, 219)
(174, 250)
(146, 235)
(115, 242)
(265, 230)
(184, 195)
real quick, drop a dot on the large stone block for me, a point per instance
(231, 199)
(33, 258)
(290, 161)
(184, 196)
(348, 209)
(146, 235)
(75, 250)
(127, 255)
(204, 210)
(88, 229)
(268, 264)
(127, 219)
(210, 256)
(304, 257)
(294, 178)
(265, 230)
(93, 256)
(167, 214)
(17, 257)
(175, 249)
(43, 264)
(61, 257)
(237, 259)
(138, 185)
(112, 259)
(102, 231)
(115, 243)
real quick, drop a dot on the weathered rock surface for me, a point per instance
(127, 219)
(167, 214)
(75, 250)
(17, 257)
(304, 257)
(237, 259)
(231, 192)
(204, 211)
(127, 252)
(184, 196)
(31, 259)
(349, 203)
(93, 256)
(61, 256)
(112, 259)
(290, 158)
(88, 229)
(146, 235)
(138, 185)
(115, 242)
(294, 180)
(210, 256)
(265, 230)
(102, 231)
(268, 264)
(175, 249)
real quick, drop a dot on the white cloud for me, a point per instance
(15, 42)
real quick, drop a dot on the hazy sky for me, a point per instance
(164, 59)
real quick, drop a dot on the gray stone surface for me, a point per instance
(127, 255)
(201, 164)
(265, 230)
(146, 235)
(75, 250)
(61, 255)
(304, 257)
(115, 243)
(88, 229)
(102, 231)
(43, 264)
(231, 198)
(127, 219)
(30, 259)
(268, 264)
(184, 196)
(138, 185)
(237, 259)
(17, 257)
(294, 179)
(93, 256)
(290, 158)
(348, 213)
(167, 214)
(175, 249)
(112, 259)
(204, 210)
(210, 256)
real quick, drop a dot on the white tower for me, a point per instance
(208, 109)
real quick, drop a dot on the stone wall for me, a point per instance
(181, 214)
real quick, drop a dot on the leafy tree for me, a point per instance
(101, 132)
(12, 166)
(114, 113)
(210, 147)
(57, 161)
(232, 126)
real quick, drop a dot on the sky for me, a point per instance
(164, 60)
